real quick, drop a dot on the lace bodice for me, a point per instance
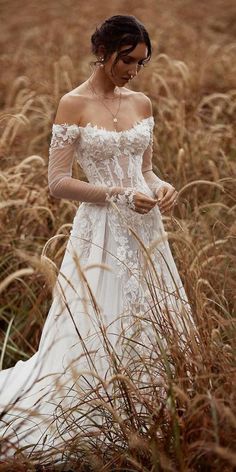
(111, 160)
(114, 158)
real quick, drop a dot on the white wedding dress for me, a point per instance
(118, 288)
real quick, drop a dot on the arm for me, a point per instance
(153, 182)
(60, 180)
(164, 191)
(62, 185)
(61, 156)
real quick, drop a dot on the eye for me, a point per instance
(126, 60)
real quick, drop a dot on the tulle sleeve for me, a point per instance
(154, 182)
(61, 183)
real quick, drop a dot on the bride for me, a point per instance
(118, 293)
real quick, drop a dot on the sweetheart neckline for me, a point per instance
(100, 128)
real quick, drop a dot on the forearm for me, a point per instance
(63, 185)
(152, 180)
(74, 189)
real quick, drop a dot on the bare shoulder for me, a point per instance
(141, 102)
(69, 108)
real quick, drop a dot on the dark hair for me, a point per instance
(118, 31)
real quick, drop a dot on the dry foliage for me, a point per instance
(192, 83)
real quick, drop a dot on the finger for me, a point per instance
(148, 207)
(143, 203)
(168, 206)
(169, 200)
(141, 198)
(160, 193)
(144, 209)
(144, 196)
(172, 198)
(169, 194)
(148, 199)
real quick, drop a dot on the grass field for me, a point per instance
(191, 80)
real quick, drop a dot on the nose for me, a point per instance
(133, 70)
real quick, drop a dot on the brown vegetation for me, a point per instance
(192, 83)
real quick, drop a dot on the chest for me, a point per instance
(112, 115)
(100, 143)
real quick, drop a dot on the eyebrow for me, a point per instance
(131, 57)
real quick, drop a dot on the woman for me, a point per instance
(118, 269)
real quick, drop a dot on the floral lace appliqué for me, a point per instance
(63, 134)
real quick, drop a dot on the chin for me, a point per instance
(122, 81)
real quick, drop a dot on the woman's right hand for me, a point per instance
(143, 203)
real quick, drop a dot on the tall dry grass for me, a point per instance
(191, 81)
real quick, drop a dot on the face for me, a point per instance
(127, 66)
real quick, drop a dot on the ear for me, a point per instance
(101, 51)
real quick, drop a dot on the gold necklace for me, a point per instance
(114, 116)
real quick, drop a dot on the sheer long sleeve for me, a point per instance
(153, 182)
(60, 180)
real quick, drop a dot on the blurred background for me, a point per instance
(191, 80)
(45, 52)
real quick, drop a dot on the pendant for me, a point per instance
(115, 120)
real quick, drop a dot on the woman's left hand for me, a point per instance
(167, 197)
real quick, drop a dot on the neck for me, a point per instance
(102, 84)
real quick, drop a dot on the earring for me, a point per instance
(102, 60)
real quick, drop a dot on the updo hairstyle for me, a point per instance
(118, 31)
